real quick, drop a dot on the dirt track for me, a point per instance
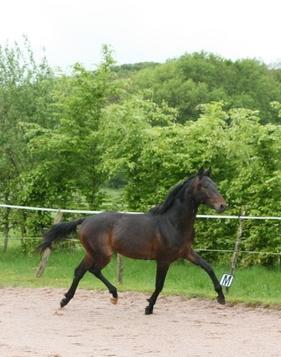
(31, 325)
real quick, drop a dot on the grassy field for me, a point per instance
(256, 285)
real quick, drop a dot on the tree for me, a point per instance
(24, 88)
(243, 153)
(67, 154)
(200, 78)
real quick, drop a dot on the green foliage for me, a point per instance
(65, 138)
(131, 124)
(244, 155)
(24, 97)
(200, 78)
(67, 154)
(126, 70)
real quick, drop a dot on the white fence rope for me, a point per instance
(96, 212)
(43, 209)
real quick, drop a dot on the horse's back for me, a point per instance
(100, 223)
(133, 235)
(136, 236)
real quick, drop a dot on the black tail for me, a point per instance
(58, 232)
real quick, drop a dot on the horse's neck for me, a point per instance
(183, 214)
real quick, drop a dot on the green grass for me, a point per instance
(256, 285)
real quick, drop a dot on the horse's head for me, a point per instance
(205, 191)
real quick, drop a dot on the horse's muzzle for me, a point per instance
(220, 207)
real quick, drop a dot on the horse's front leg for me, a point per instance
(197, 260)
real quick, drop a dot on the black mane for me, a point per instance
(176, 192)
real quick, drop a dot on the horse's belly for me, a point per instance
(141, 237)
(134, 247)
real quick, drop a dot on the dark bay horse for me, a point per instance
(163, 234)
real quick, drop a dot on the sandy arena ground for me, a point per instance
(90, 326)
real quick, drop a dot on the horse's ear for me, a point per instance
(201, 172)
(208, 172)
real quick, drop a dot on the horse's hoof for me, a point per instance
(114, 300)
(148, 310)
(63, 302)
(221, 300)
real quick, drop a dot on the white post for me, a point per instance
(47, 252)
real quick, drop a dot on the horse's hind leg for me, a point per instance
(78, 275)
(161, 272)
(96, 270)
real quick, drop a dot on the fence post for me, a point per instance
(237, 245)
(6, 229)
(120, 268)
(23, 227)
(47, 251)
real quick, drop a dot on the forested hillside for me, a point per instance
(202, 78)
(141, 128)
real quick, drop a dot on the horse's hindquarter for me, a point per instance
(96, 233)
